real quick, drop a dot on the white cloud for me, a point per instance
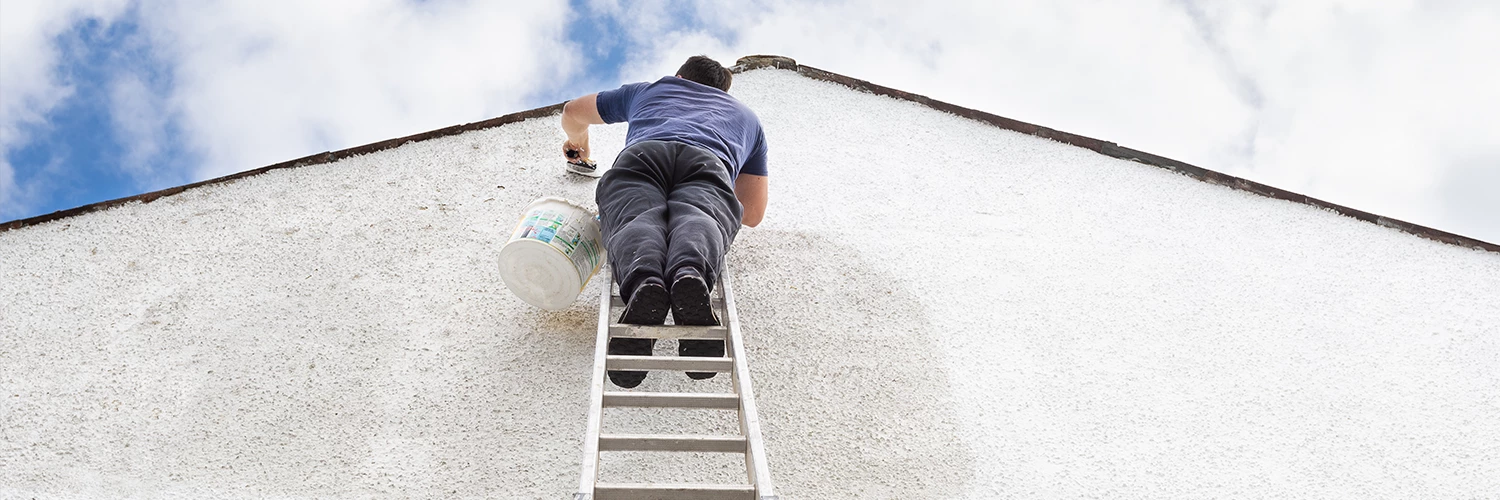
(257, 83)
(1369, 104)
(138, 119)
(10, 194)
(1374, 105)
(29, 85)
(1382, 106)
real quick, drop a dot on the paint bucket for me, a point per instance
(553, 252)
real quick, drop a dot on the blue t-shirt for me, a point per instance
(680, 110)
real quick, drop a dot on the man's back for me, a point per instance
(680, 110)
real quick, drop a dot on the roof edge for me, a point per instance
(1111, 149)
(754, 62)
(314, 159)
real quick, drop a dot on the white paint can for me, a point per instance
(553, 252)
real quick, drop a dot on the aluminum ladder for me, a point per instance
(748, 442)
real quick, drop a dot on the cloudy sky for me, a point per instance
(1383, 105)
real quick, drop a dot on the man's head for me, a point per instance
(706, 71)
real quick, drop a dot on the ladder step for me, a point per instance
(621, 330)
(673, 363)
(654, 491)
(724, 401)
(616, 301)
(671, 442)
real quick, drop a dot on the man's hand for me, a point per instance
(575, 150)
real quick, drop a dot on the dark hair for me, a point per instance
(706, 71)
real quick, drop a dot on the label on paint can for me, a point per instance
(567, 232)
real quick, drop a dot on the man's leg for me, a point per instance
(633, 221)
(632, 201)
(703, 217)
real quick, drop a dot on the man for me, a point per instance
(692, 171)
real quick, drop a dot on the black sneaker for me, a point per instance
(647, 306)
(692, 305)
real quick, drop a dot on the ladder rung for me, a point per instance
(653, 491)
(675, 363)
(616, 301)
(671, 442)
(621, 330)
(725, 401)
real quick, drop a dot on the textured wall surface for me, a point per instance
(934, 308)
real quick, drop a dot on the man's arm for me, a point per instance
(577, 115)
(752, 193)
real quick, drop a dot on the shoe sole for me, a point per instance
(648, 306)
(692, 305)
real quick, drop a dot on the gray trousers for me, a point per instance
(666, 206)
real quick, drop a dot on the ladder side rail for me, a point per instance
(734, 382)
(590, 474)
(734, 375)
(759, 471)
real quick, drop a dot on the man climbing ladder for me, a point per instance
(692, 171)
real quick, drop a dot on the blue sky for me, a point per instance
(1375, 105)
(76, 153)
(76, 150)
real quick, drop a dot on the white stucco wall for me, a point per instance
(934, 308)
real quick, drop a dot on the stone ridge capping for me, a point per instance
(315, 159)
(1111, 149)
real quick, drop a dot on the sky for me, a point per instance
(1383, 106)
